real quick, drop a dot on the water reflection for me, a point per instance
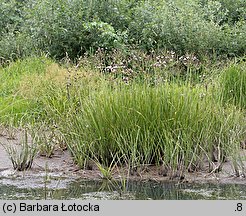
(136, 190)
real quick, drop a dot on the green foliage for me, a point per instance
(55, 26)
(14, 46)
(12, 43)
(99, 35)
(167, 124)
(233, 10)
(233, 85)
(234, 39)
(12, 104)
(114, 12)
(64, 27)
(177, 121)
(11, 74)
(10, 16)
(60, 27)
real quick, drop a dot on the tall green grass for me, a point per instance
(233, 85)
(110, 121)
(13, 104)
(167, 124)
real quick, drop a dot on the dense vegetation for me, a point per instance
(74, 27)
(126, 82)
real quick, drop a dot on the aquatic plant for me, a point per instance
(22, 157)
(166, 124)
(47, 138)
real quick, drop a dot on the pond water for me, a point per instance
(54, 188)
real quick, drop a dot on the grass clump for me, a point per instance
(167, 124)
(22, 157)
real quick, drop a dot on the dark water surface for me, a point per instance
(62, 189)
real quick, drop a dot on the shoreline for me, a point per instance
(61, 163)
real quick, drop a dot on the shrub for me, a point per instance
(10, 16)
(60, 27)
(234, 10)
(99, 35)
(64, 27)
(12, 44)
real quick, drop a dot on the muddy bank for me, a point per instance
(61, 165)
